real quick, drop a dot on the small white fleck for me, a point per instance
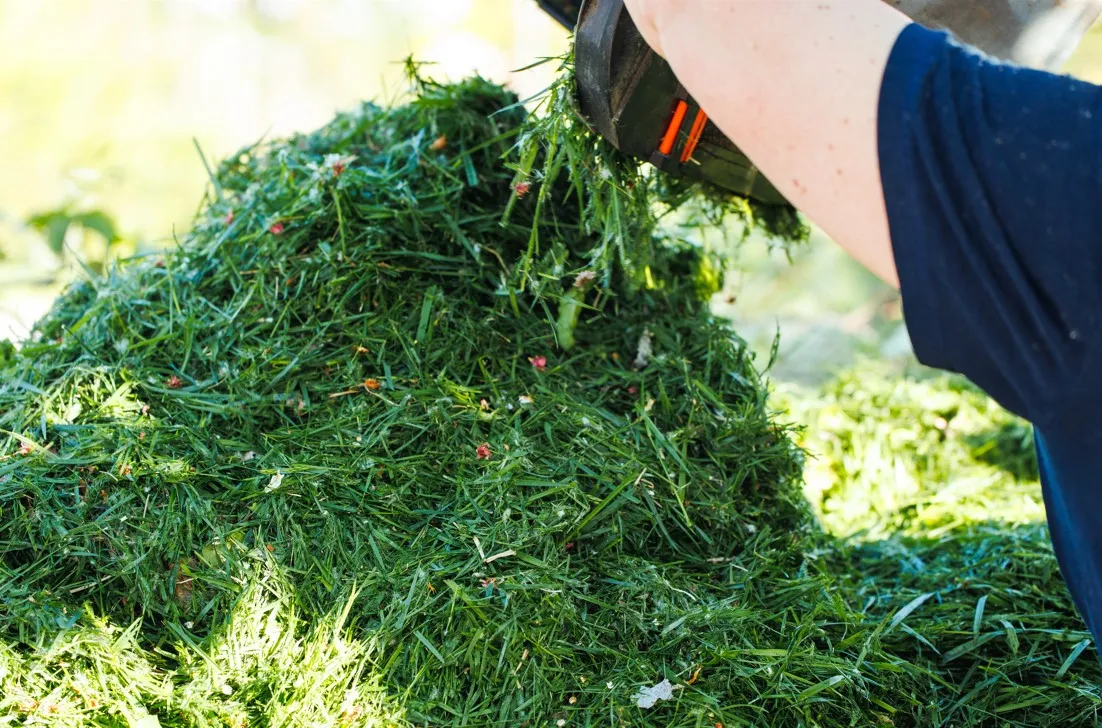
(275, 481)
(646, 350)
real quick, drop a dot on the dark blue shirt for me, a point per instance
(992, 177)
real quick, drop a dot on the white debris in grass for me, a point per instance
(274, 483)
(584, 278)
(646, 350)
(648, 697)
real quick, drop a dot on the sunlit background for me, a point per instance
(104, 106)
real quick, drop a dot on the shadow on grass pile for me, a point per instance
(331, 463)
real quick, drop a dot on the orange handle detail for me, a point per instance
(670, 136)
(694, 135)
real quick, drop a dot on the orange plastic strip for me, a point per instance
(694, 135)
(675, 126)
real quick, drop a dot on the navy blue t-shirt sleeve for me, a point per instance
(991, 177)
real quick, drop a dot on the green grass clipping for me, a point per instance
(426, 422)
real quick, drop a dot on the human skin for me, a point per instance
(795, 84)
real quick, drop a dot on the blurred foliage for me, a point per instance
(919, 453)
(225, 72)
(62, 224)
(55, 224)
(112, 95)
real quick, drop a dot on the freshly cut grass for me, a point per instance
(265, 665)
(936, 492)
(339, 373)
(919, 455)
(364, 452)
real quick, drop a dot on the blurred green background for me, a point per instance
(104, 105)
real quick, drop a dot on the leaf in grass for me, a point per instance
(1011, 636)
(820, 687)
(978, 619)
(429, 646)
(1076, 651)
(906, 611)
(966, 647)
(920, 638)
(674, 624)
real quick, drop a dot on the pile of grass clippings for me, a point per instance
(920, 455)
(364, 452)
(935, 490)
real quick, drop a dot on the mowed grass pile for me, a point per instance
(913, 452)
(934, 491)
(334, 462)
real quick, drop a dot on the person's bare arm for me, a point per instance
(795, 84)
